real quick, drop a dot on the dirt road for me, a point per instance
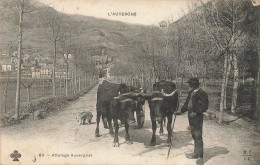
(59, 139)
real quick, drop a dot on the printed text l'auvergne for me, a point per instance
(122, 14)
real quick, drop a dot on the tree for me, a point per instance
(23, 6)
(53, 33)
(255, 44)
(225, 22)
(28, 84)
(66, 46)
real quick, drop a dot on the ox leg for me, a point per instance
(110, 126)
(153, 140)
(116, 127)
(127, 137)
(169, 129)
(140, 122)
(161, 129)
(97, 129)
(104, 119)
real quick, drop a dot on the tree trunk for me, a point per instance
(60, 87)
(75, 81)
(43, 87)
(142, 82)
(205, 73)
(177, 74)
(223, 88)
(64, 84)
(33, 92)
(28, 94)
(196, 66)
(229, 63)
(79, 83)
(258, 97)
(67, 74)
(53, 70)
(236, 83)
(71, 81)
(5, 94)
(18, 85)
(182, 76)
(244, 72)
(179, 57)
(256, 105)
(85, 81)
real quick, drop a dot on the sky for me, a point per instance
(148, 12)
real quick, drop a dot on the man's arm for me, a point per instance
(184, 108)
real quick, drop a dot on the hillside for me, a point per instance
(95, 34)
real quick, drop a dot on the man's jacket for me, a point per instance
(197, 101)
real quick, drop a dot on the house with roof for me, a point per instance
(8, 64)
(46, 71)
(36, 72)
(60, 72)
(26, 69)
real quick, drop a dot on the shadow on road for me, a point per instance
(181, 139)
(142, 135)
(212, 152)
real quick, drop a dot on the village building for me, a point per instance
(8, 63)
(46, 71)
(36, 72)
(60, 72)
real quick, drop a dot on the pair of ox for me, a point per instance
(121, 107)
(110, 102)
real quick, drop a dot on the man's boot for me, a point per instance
(191, 155)
(200, 161)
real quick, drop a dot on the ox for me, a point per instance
(139, 101)
(161, 107)
(122, 108)
(105, 93)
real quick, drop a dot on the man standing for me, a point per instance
(196, 103)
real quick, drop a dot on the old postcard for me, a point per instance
(129, 82)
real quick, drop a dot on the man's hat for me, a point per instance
(193, 80)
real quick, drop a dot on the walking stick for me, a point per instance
(169, 150)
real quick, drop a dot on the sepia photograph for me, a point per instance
(134, 82)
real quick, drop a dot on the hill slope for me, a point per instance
(97, 34)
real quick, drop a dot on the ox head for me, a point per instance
(136, 96)
(123, 108)
(128, 106)
(156, 103)
(160, 105)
